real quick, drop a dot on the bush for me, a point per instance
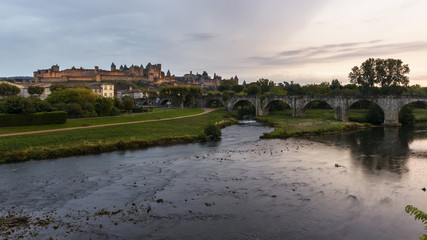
(42, 118)
(212, 131)
(74, 110)
(406, 115)
(375, 115)
(115, 111)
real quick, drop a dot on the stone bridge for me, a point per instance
(391, 105)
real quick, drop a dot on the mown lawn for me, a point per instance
(79, 122)
(191, 126)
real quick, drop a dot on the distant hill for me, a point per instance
(18, 79)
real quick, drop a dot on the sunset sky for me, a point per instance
(307, 41)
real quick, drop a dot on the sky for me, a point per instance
(305, 41)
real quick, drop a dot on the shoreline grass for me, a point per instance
(83, 122)
(105, 139)
(316, 121)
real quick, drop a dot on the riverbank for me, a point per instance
(47, 145)
(316, 121)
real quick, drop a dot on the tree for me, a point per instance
(238, 88)
(418, 215)
(72, 95)
(265, 84)
(253, 89)
(335, 84)
(292, 89)
(383, 72)
(7, 89)
(35, 90)
(128, 104)
(34, 104)
(103, 106)
(13, 104)
(224, 87)
(57, 87)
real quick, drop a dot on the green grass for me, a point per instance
(420, 114)
(316, 121)
(79, 122)
(67, 143)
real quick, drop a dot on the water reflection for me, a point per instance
(379, 148)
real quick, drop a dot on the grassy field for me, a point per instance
(316, 121)
(420, 114)
(79, 122)
(73, 142)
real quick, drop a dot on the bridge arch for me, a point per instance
(362, 110)
(407, 103)
(268, 104)
(305, 102)
(164, 101)
(214, 102)
(254, 101)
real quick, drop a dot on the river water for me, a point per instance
(348, 186)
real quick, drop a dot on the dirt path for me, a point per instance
(205, 111)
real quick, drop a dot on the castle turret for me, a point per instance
(113, 67)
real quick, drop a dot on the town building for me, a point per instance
(103, 89)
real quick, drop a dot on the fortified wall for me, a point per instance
(133, 73)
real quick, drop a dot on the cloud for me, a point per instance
(199, 36)
(338, 52)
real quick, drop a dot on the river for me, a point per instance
(347, 186)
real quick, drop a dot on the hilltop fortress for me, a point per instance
(151, 74)
(133, 73)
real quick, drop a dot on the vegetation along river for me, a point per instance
(349, 186)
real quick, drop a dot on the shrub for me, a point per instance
(212, 131)
(375, 114)
(115, 111)
(406, 115)
(42, 118)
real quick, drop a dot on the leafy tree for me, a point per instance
(224, 87)
(227, 95)
(415, 90)
(128, 104)
(265, 84)
(213, 131)
(34, 104)
(35, 90)
(238, 88)
(74, 110)
(103, 106)
(13, 104)
(292, 89)
(383, 72)
(193, 93)
(72, 95)
(7, 89)
(57, 87)
(419, 215)
(335, 84)
(253, 89)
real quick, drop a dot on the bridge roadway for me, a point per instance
(391, 105)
